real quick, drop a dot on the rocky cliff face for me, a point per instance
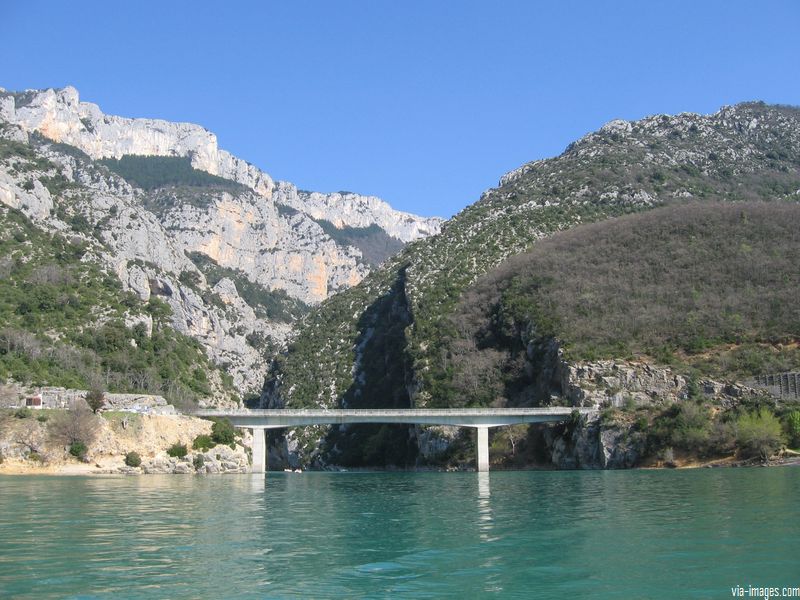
(238, 259)
(60, 116)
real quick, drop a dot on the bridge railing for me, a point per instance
(400, 412)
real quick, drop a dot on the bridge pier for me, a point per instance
(483, 449)
(259, 450)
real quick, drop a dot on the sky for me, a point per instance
(424, 103)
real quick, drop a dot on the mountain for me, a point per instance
(396, 339)
(236, 256)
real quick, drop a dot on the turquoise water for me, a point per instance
(623, 534)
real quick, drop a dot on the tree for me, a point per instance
(759, 434)
(222, 432)
(793, 427)
(77, 424)
(96, 399)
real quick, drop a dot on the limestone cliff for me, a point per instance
(238, 256)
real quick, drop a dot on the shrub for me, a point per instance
(793, 428)
(759, 434)
(95, 398)
(177, 451)
(23, 413)
(78, 450)
(203, 442)
(222, 432)
(42, 418)
(132, 459)
(77, 424)
(198, 462)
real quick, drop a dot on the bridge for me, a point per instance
(479, 418)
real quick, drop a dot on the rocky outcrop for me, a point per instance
(218, 460)
(594, 444)
(617, 383)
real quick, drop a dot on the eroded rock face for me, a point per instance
(594, 445)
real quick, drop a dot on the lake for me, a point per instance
(555, 534)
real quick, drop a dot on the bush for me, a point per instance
(177, 451)
(793, 428)
(222, 432)
(132, 459)
(203, 442)
(42, 418)
(198, 462)
(23, 413)
(759, 434)
(78, 450)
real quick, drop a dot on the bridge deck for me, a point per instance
(462, 417)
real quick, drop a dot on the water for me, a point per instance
(624, 534)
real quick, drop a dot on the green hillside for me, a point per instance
(707, 287)
(747, 152)
(64, 322)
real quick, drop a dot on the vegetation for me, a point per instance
(96, 399)
(223, 432)
(759, 434)
(177, 451)
(606, 174)
(375, 244)
(203, 442)
(709, 288)
(76, 427)
(23, 413)
(793, 428)
(151, 172)
(198, 462)
(132, 459)
(78, 450)
(63, 320)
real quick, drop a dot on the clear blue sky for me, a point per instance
(425, 103)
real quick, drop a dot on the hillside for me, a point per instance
(709, 288)
(169, 216)
(66, 321)
(404, 311)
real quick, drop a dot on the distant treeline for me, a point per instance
(152, 172)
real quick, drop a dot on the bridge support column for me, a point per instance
(259, 450)
(483, 449)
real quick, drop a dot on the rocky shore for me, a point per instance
(27, 446)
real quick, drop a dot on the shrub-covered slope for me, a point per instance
(675, 284)
(66, 321)
(745, 152)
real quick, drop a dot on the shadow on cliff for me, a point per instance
(380, 381)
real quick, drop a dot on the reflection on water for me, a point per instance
(578, 535)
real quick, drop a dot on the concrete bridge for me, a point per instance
(479, 418)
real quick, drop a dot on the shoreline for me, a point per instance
(109, 466)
